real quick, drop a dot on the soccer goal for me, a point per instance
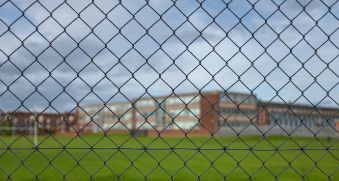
(11, 127)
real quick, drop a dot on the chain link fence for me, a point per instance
(169, 90)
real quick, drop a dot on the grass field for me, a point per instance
(217, 159)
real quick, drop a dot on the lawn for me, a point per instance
(128, 158)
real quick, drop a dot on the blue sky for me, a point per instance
(146, 47)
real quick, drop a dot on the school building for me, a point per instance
(200, 114)
(203, 113)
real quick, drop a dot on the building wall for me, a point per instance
(99, 118)
(293, 116)
(209, 112)
(203, 113)
(145, 113)
(237, 109)
(177, 113)
(54, 123)
(184, 111)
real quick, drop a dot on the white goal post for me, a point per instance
(32, 129)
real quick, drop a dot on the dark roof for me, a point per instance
(298, 106)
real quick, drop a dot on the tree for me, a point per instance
(6, 125)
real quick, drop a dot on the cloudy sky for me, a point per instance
(56, 54)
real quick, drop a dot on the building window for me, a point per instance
(143, 103)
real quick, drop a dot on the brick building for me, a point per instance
(98, 117)
(200, 114)
(24, 123)
(193, 113)
(292, 116)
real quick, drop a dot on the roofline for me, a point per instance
(195, 93)
(298, 106)
(170, 95)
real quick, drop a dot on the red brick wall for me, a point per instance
(209, 112)
(263, 117)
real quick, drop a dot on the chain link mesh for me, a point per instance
(187, 89)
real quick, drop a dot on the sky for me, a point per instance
(55, 55)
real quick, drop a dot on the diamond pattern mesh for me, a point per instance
(186, 89)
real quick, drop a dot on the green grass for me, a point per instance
(131, 162)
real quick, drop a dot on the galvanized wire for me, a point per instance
(325, 25)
